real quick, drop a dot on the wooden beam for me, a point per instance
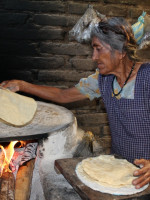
(24, 180)
(7, 186)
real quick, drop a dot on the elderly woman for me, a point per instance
(122, 82)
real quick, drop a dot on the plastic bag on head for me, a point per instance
(138, 28)
(143, 51)
(81, 32)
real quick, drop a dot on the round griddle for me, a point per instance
(48, 118)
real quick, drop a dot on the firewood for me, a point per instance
(7, 186)
(24, 180)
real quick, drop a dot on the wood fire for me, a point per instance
(6, 156)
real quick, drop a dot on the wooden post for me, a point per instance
(7, 186)
(24, 180)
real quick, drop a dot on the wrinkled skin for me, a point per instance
(12, 85)
(143, 174)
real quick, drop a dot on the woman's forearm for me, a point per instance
(45, 92)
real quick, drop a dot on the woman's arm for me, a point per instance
(45, 92)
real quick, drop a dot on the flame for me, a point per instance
(6, 156)
(22, 143)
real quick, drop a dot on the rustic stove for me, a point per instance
(54, 129)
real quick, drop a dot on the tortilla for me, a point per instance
(107, 174)
(16, 109)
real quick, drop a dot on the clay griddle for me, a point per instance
(48, 118)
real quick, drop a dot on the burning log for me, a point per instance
(7, 186)
(23, 181)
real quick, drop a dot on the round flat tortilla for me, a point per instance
(16, 109)
(107, 174)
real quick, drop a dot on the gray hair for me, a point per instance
(118, 34)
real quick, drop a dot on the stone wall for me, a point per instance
(34, 46)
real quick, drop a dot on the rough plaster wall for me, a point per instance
(34, 46)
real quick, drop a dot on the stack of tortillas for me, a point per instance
(16, 109)
(107, 174)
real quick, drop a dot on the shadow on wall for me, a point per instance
(34, 42)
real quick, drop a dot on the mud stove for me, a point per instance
(51, 135)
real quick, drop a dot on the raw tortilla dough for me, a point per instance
(107, 174)
(16, 109)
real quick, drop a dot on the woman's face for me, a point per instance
(107, 61)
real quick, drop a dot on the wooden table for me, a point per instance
(67, 168)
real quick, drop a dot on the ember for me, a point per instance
(15, 154)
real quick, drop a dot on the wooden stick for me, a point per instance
(24, 180)
(7, 186)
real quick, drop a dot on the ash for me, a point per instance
(22, 155)
(46, 183)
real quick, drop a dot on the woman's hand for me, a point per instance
(143, 173)
(13, 85)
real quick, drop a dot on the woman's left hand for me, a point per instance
(143, 173)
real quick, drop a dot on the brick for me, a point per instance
(16, 74)
(90, 1)
(112, 10)
(61, 75)
(106, 130)
(38, 6)
(2, 3)
(83, 106)
(101, 105)
(51, 34)
(72, 20)
(105, 142)
(46, 33)
(129, 2)
(84, 109)
(92, 119)
(52, 20)
(145, 3)
(94, 129)
(18, 48)
(83, 64)
(134, 13)
(60, 84)
(25, 62)
(65, 49)
(89, 108)
(12, 18)
(77, 8)
(55, 20)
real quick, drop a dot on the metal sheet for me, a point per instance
(48, 118)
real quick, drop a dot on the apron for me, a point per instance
(129, 119)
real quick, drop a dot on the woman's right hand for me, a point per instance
(13, 85)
